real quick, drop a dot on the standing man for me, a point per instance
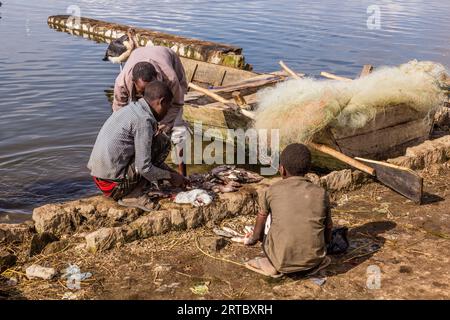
(150, 63)
(130, 151)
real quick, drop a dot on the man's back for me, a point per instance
(169, 70)
(162, 55)
(299, 210)
(115, 144)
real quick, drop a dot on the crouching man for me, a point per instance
(130, 150)
(294, 222)
(144, 65)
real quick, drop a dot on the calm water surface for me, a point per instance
(52, 85)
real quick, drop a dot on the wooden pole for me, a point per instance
(366, 70)
(222, 100)
(239, 99)
(289, 70)
(209, 93)
(340, 156)
(333, 76)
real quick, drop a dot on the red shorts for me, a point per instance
(106, 186)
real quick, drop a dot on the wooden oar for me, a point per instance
(402, 180)
(342, 157)
(222, 100)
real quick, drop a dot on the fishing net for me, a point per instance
(302, 108)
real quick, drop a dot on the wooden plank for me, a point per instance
(400, 179)
(207, 72)
(250, 99)
(383, 143)
(214, 118)
(226, 103)
(334, 77)
(290, 72)
(245, 87)
(257, 80)
(220, 78)
(212, 52)
(190, 73)
(390, 116)
(322, 160)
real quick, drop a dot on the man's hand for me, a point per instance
(177, 180)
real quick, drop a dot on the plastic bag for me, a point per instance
(196, 197)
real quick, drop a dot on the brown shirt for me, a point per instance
(169, 70)
(299, 212)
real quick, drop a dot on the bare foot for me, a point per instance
(263, 266)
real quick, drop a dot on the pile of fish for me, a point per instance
(225, 178)
(222, 179)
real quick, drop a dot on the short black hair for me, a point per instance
(157, 90)
(145, 71)
(296, 159)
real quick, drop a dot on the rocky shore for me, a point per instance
(96, 227)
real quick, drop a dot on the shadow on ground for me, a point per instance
(364, 240)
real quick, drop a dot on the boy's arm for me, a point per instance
(121, 92)
(328, 220)
(260, 224)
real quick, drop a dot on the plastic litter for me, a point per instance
(73, 271)
(70, 296)
(179, 134)
(168, 287)
(319, 281)
(12, 281)
(200, 289)
(196, 197)
(35, 271)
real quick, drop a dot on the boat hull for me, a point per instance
(388, 135)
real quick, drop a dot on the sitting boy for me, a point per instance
(298, 219)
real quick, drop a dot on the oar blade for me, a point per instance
(400, 179)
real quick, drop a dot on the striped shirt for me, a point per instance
(127, 134)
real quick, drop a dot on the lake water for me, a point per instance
(52, 85)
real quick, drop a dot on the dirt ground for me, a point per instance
(408, 244)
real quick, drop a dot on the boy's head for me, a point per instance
(143, 73)
(159, 97)
(295, 160)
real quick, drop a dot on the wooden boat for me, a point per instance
(103, 31)
(386, 136)
(216, 66)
